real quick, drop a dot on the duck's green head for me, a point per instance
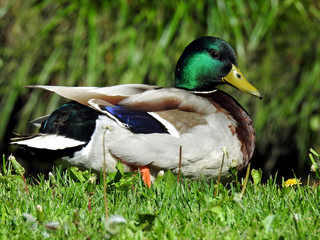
(207, 62)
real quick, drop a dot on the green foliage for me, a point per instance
(256, 176)
(79, 176)
(102, 43)
(6, 173)
(119, 180)
(315, 163)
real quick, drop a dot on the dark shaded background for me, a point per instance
(102, 43)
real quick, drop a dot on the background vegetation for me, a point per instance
(102, 43)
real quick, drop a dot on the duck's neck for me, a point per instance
(244, 130)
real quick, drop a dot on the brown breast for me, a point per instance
(244, 130)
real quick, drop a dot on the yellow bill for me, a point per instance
(236, 79)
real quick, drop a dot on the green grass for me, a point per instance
(168, 210)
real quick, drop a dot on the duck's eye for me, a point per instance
(214, 54)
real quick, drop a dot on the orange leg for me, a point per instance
(145, 172)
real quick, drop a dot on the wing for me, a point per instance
(112, 94)
(138, 97)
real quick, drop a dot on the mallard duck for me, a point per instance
(144, 126)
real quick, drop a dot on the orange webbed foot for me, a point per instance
(145, 172)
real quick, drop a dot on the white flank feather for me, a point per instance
(50, 142)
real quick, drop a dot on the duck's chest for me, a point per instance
(242, 128)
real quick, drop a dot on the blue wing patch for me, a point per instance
(138, 122)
